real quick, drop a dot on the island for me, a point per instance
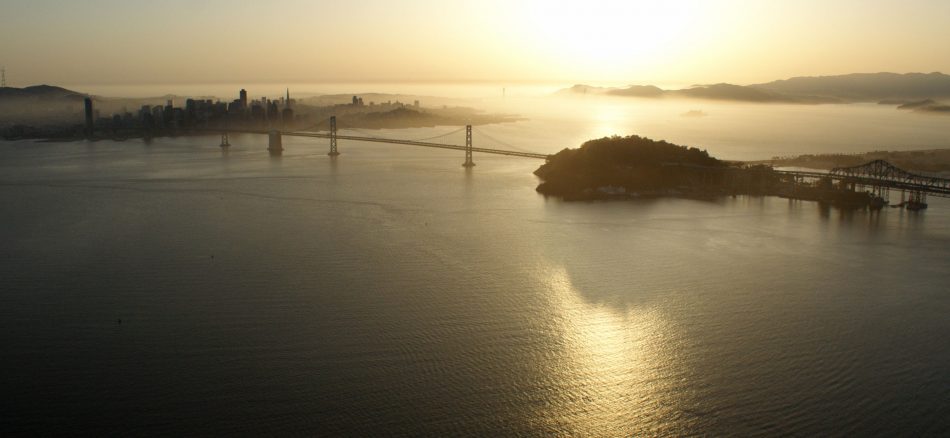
(637, 167)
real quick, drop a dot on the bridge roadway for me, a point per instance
(420, 143)
(932, 186)
(405, 142)
(865, 175)
(877, 173)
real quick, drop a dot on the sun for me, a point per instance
(609, 38)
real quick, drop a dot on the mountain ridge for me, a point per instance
(848, 88)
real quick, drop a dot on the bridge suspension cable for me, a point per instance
(504, 143)
(368, 134)
(440, 135)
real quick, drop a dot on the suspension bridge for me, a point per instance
(877, 177)
(275, 142)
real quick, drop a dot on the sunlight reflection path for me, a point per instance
(609, 376)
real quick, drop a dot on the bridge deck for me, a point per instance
(902, 181)
(420, 143)
(932, 186)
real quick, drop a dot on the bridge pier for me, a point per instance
(224, 140)
(918, 200)
(275, 144)
(468, 147)
(333, 150)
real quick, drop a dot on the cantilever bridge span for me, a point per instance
(881, 176)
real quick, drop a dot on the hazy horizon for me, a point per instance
(613, 42)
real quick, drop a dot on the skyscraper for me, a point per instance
(243, 99)
(87, 103)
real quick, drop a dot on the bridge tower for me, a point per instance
(333, 151)
(275, 144)
(224, 140)
(468, 147)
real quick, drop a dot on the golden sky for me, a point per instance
(677, 42)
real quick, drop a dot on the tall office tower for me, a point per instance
(88, 106)
(243, 99)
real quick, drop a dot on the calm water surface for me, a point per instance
(390, 291)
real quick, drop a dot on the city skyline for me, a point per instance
(682, 42)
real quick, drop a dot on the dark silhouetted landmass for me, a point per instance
(634, 167)
(935, 109)
(870, 87)
(916, 104)
(39, 92)
(734, 92)
(38, 105)
(919, 106)
(865, 87)
(637, 91)
(621, 164)
(711, 92)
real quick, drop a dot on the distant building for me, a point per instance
(158, 116)
(287, 115)
(258, 113)
(416, 104)
(235, 109)
(87, 103)
(243, 99)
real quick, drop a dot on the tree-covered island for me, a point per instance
(631, 167)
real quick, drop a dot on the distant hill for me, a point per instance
(733, 92)
(917, 104)
(936, 109)
(40, 92)
(865, 87)
(638, 91)
(714, 92)
(39, 105)
(862, 87)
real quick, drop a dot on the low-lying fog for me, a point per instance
(745, 131)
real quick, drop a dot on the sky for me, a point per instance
(594, 41)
